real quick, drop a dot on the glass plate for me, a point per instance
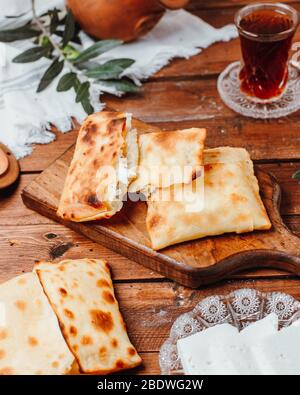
(229, 90)
(240, 308)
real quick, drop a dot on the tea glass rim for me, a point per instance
(271, 36)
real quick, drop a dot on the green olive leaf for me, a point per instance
(66, 82)
(83, 92)
(69, 28)
(54, 20)
(76, 84)
(53, 71)
(31, 55)
(97, 49)
(110, 70)
(21, 33)
(86, 104)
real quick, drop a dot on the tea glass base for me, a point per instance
(287, 103)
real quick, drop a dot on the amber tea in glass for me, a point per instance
(266, 33)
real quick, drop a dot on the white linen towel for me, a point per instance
(26, 116)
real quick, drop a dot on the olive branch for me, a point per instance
(55, 35)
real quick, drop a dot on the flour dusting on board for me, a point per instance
(156, 317)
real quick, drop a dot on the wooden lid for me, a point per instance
(9, 167)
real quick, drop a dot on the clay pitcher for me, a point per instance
(121, 19)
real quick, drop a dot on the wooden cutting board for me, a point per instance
(192, 264)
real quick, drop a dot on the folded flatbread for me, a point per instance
(31, 342)
(82, 296)
(228, 200)
(168, 158)
(103, 165)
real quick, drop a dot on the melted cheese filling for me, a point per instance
(126, 169)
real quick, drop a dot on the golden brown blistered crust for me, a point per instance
(154, 221)
(168, 158)
(99, 144)
(231, 202)
(102, 321)
(93, 327)
(120, 365)
(39, 348)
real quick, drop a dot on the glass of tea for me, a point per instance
(266, 32)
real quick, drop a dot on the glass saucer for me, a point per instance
(229, 90)
(240, 308)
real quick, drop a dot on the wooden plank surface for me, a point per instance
(22, 246)
(275, 141)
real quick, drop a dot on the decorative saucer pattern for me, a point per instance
(240, 308)
(229, 90)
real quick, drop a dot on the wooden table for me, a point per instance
(179, 96)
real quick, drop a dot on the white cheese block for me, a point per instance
(296, 323)
(279, 354)
(194, 351)
(236, 357)
(222, 350)
(232, 358)
(262, 328)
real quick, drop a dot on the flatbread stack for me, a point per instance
(30, 339)
(109, 162)
(82, 295)
(229, 201)
(104, 162)
(190, 192)
(61, 315)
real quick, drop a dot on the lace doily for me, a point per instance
(240, 308)
(229, 90)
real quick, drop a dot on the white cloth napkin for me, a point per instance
(26, 116)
